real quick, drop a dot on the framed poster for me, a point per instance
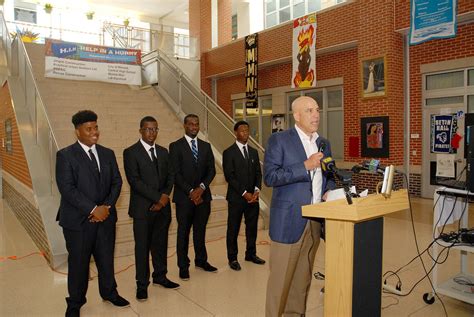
(374, 74)
(278, 122)
(374, 137)
(8, 136)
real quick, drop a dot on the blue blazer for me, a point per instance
(284, 170)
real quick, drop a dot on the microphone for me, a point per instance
(372, 165)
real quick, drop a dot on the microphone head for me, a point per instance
(322, 146)
(328, 164)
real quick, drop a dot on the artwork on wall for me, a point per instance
(374, 83)
(278, 122)
(374, 136)
(8, 136)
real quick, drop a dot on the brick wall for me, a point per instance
(14, 163)
(224, 20)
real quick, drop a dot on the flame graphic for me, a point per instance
(305, 38)
(304, 82)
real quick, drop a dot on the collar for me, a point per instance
(86, 148)
(189, 139)
(146, 145)
(241, 146)
(304, 137)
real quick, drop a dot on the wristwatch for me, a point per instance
(202, 186)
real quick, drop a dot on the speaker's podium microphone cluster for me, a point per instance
(384, 187)
(345, 177)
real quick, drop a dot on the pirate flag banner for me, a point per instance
(251, 71)
(304, 52)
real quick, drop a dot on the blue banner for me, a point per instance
(442, 129)
(432, 19)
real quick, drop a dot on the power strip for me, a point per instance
(391, 289)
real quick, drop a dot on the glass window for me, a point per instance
(470, 79)
(270, 5)
(298, 8)
(334, 98)
(238, 110)
(470, 104)
(445, 80)
(444, 101)
(266, 106)
(271, 19)
(318, 96)
(284, 3)
(285, 15)
(314, 5)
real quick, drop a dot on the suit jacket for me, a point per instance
(187, 173)
(147, 184)
(240, 174)
(284, 170)
(82, 189)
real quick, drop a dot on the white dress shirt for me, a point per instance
(147, 148)
(310, 147)
(94, 150)
(241, 148)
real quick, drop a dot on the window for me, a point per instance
(445, 80)
(280, 11)
(234, 27)
(330, 101)
(454, 87)
(259, 119)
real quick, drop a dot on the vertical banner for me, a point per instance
(432, 19)
(443, 127)
(304, 52)
(251, 91)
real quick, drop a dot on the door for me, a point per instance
(438, 141)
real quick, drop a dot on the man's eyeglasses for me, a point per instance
(151, 130)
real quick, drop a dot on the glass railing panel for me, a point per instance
(191, 104)
(197, 92)
(169, 82)
(43, 142)
(218, 135)
(30, 93)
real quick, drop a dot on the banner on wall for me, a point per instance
(432, 19)
(304, 52)
(251, 70)
(443, 127)
(76, 61)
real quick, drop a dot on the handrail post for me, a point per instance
(180, 89)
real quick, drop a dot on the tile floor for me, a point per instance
(28, 287)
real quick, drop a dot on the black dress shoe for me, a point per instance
(234, 265)
(72, 312)
(118, 301)
(255, 259)
(207, 267)
(184, 274)
(142, 294)
(166, 283)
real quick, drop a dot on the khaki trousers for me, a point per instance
(291, 268)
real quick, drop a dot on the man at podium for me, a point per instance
(292, 167)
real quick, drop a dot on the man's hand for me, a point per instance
(248, 197)
(255, 196)
(99, 214)
(156, 207)
(325, 196)
(198, 201)
(164, 200)
(314, 161)
(196, 193)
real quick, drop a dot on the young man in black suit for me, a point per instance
(89, 181)
(147, 171)
(194, 170)
(243, 173)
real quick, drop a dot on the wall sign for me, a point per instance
(251, 70)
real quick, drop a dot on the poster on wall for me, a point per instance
(375, 136)
(76, 61)
(432, 19)
(8, 136)
(304, 52)
(251, 91)
(278, 123)
(443, 127)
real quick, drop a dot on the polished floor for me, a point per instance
(28, 287)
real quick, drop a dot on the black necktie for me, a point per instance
(94, 161)
(246, 153)
(153, 158)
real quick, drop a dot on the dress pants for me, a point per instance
(97, 239)
(151, 236)
(189, 215)
(291, 266)
(234, 219)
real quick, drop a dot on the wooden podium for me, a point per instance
(354, 242)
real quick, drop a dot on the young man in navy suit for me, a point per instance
(244, 177)
(292, 166)
(89, 181)
(193, 169)
(147, 169)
